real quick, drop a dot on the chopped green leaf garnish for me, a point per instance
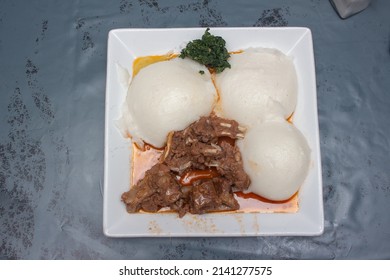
(201, 72)
(209, 51)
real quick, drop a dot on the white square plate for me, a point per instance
(124, 45)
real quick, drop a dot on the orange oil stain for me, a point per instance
(143, 61)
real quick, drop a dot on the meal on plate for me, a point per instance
(212, 129)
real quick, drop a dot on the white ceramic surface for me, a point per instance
(124, 45)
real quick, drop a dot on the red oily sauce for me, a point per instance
(250, 202)
(194, 175)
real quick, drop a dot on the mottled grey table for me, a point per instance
(52, 86)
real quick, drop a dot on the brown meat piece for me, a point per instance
(156, 190)
(212, 195)
(225, 193)
(204, 198)
(231, 167)
(209, 129)
(181, 207)
(197, 145)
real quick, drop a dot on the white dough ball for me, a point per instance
(261, 84)
(276, 157)
(167, 96)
